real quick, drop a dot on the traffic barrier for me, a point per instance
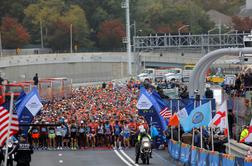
(203, 157)
(228, 159)
(185, 153)
(194, 156)
(213, 158)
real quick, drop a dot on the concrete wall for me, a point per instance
(79, 72)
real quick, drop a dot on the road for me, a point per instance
(97, 157)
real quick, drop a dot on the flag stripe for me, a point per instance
(165, 113)
(4, 124)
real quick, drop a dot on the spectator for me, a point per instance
(1, 80)
(209, 93)
(244, 132)
(231, 121)
(36, 79)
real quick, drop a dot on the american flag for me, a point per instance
(165, 113)
(4, 123)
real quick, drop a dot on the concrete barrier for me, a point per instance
(237, 149)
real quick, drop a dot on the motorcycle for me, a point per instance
(145, 150)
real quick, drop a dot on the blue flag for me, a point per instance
(29, 106)
(200, 116)
(20, 99)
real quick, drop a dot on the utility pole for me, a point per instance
(71, 38)
(128, 37)
(41, 34)
(1, 47)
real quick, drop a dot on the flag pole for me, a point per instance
(201, 134)
(9, 125)
(211, 127)
(229, 150)
(171, 126)
(194, 106)
(179, 122)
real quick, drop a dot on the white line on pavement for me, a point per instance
(130, 159)
(120, 156)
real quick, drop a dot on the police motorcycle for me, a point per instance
(145, 150)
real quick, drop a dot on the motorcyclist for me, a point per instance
(24, 151)
(142, 133)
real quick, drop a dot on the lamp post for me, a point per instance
(41, 34)
(71, 38)
(125, 4)
(208, 32)
(179, 29)
(1, 47)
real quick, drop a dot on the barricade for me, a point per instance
(185, 152)
(194, 156)
(213, 158)
(228, 159)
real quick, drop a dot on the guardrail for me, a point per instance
(191, 155)
(238, 149)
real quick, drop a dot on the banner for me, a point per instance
(228, 160)
(202, 157)
(185, 153)
(214, 159)
(194, 156)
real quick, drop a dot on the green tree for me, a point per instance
(54, 12)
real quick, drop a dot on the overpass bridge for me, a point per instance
(149, 51)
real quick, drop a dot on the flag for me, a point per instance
(20, 99)
(200, 116)
(174, 120)
(31, 102)
(220, 118)
(184, 112)
(29, 106)
(4, 124)
(165, 113)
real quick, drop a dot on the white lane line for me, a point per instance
(120, 156)
(130, 159)
(159, 156)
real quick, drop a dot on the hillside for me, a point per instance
(100, 24)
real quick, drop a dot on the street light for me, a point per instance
(180, 28)
(209, 31)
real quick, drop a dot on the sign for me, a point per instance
(144, 103)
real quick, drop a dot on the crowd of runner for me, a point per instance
(93, 116)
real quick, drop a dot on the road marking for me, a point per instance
(162, 158)
(129, 158)
(121, 157)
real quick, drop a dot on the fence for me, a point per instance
(194, 156)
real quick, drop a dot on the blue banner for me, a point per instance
(169, 146)
(184, 153)
(228, 161)
(214, 159)
(239, 161)
(194, 157)
(176, 148)
(203, 158)
(247, 163)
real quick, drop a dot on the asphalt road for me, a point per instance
(97, 158)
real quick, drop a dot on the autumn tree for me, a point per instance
(54, 13)
(242, 24)
(111, 34)
(14, 35)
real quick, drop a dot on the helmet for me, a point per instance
(142, 130)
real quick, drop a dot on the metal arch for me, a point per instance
(205, 62)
